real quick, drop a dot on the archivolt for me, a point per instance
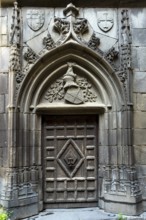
(55, 61)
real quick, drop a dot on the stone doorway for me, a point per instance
(70, 161)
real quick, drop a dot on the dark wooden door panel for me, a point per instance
(70, 160)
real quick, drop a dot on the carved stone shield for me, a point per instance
(35, 19)
(105, 21)
(74, 96)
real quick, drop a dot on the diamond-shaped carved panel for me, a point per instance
(70, 158)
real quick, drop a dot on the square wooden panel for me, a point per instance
(70, 160)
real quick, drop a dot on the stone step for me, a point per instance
(82, 214)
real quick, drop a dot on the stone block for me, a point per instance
(113, 137)
(113, 120)
(139, 119)
(2, 103)
(103, 134)
(4, 59)
(138, 17)
(36, 43)
(139, 82)
(138, 37)
(139, 102)
(139, 57)
(126, 137)
(140, 154)
(139, 136)
(3, 138)
(6, 102)
(4, 40)
(106, 42)
(3, 25)
(5, 157)
(3, 121)
(104, 155)
(113, 154)
(135, 62)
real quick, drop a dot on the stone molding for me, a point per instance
(81, 3)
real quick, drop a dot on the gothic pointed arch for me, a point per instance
(85, 63)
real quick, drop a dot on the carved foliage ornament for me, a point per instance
(111, 55)
(70, 28)
(48, 42)
(35, 19)
(72, 88)
(30, 56)
(15, 58)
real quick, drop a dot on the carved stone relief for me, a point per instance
(71, 28)
(94, 42)
(18, 182)
(15, 26)
(125, 50)
(126, 33)
(30, 56)
(105, 21)
(48, 42)
(111, 55)
(71, 88)
(35, 19)
(118, 180)
(70, 158)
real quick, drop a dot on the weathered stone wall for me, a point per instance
(4, 66)
(138, 24)
(115, 144)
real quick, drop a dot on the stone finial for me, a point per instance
(15, 26)
(15, 4)
(71, 10)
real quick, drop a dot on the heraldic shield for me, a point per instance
(35, 19)
(105, 21)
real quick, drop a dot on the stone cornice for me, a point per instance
(81, 3)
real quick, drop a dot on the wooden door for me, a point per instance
(70, 161)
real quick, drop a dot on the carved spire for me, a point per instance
(15, 39)
(71, 10)
(15, 26)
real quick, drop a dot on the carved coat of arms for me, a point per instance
(35, 19)
(105, 21)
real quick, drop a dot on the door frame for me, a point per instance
(76, 203)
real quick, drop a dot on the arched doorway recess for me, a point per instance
(70, 123)
(74, 80)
